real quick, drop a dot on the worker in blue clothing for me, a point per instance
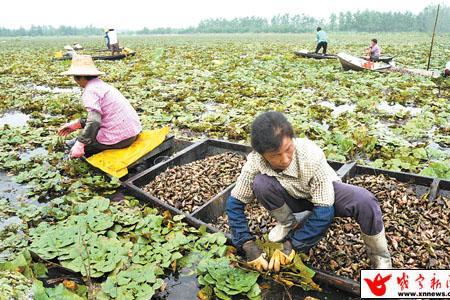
(108, 45)
(289, 175)
(322, 40)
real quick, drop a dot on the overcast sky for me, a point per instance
(136, 14)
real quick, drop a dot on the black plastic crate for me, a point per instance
(213, 209)
(163, 152)
(192, 153)
(422, 184)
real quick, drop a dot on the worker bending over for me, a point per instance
(288, 175)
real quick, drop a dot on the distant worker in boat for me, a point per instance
(447, 69)
(111, 123)
(290, 175)
(374, 51)
(322, 41)
(70, 51)
(77, 46)
(113, 41)
(108, 46)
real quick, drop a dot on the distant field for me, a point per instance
(214, 85)
(409, 48)
(208, 86)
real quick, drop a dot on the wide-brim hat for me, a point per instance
(82, 65)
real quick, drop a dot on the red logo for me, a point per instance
(377, 286)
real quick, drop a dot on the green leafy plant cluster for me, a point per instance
(137, 282)
(224, 87)
(222, 280)
(39, 292)
(14, 285)
(12, 238)
(130, 245)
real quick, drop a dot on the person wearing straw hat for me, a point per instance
(111, 123)
(70, 51)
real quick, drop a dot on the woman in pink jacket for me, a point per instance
(111, 123)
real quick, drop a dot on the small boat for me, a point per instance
(386, 59)
(113, 57)
(350, 62)
(305, 53)
(101, 57)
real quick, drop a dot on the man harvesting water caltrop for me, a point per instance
(289, 175)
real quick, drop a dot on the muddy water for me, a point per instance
(397, 108)
(32, 153)
(179, 286)
(54, 90)
(11, 190)
(13, 118)
(12, 221)
(340, 109)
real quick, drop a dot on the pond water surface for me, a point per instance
(13, 118)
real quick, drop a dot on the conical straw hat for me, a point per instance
(82, 65)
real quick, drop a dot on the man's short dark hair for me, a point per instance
(375, 41)
(268, 131)
(318, 28)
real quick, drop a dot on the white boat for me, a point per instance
(350, 62)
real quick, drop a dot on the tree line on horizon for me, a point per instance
(360, 21)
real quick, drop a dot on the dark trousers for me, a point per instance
(323, 45)
(349, 201)
(97, 147)
(114, 48)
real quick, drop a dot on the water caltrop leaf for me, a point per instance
(136, 282)
(178, 218)
(98, 221)
(60, 292)
(226, 280)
